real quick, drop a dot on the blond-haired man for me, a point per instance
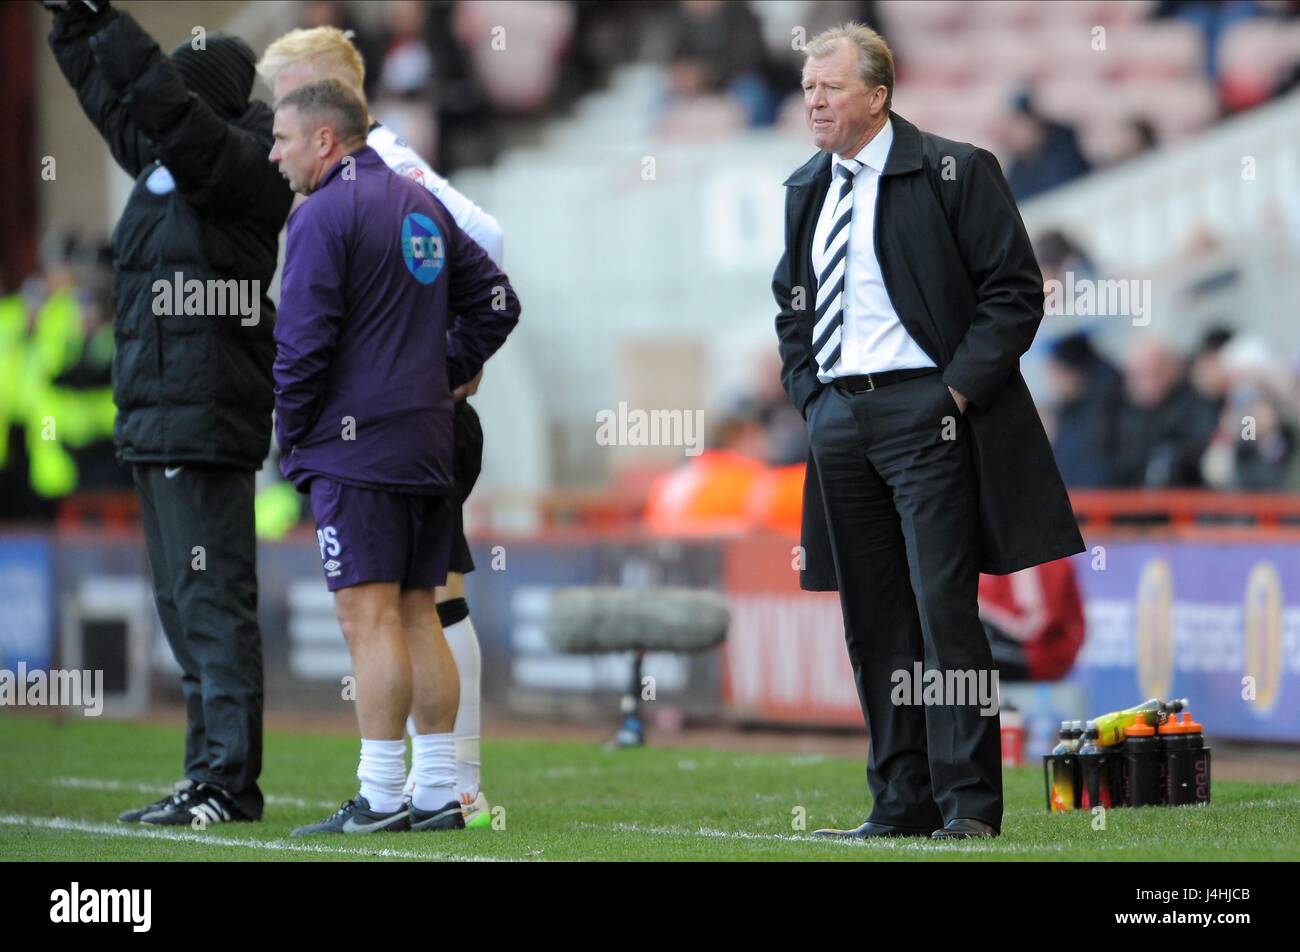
(308, 56)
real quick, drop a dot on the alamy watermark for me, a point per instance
(77, 905)
(635, 427)
(214, 297)
(1094, 297)
(54, 688)
(941, 687)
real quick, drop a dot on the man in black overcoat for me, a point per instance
(907, 292)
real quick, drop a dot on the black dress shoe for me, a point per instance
(964, 828)
(867, 830)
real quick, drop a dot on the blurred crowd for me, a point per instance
(436, 72)
(56, 398)
(1140, 411)
(1045, 151)
(1239, 53)
(1137, 412)
(462, 81)
(1223, 414)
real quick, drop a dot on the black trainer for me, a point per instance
(355, 816)
(133, 816)
(198, 806)
(449, 816)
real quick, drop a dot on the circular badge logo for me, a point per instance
(412, 171)
(160, 181)
(1155, 629)
(422, 248)
(1262, 632)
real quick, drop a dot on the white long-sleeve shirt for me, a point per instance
(404, 160)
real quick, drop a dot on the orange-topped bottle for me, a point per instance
(1146, 764)
(1187, 762)
(1111, 727)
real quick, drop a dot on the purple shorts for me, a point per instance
(370, 536)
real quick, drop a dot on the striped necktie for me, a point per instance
(829, 318)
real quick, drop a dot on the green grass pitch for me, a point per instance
(62, 786)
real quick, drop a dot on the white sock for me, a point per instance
(409, 786)
(382, 767)
(463, 641)
(433, 763)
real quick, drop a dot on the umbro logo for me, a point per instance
(332, 568)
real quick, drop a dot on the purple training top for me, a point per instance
(385, 307)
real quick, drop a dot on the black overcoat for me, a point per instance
(963, 279)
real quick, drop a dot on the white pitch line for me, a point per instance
(95, 783)
(909, 844)
(209, 839)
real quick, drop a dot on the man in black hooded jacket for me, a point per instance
(194, 255)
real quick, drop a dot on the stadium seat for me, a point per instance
(1253, 57)
(1166, 48)
(935, 16)
(704, 119)
(1176, 107)
(1013, 14)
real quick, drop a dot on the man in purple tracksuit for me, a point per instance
(374, 266)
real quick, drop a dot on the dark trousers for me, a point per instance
(198, 527)
(899, 488)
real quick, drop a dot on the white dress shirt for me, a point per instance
(872, 339)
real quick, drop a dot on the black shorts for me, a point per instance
(468, 463)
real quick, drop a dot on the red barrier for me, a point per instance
(1183, 507)
(775, 498)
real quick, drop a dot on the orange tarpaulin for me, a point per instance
(719, 491)
(776, 499)
(710, 493)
